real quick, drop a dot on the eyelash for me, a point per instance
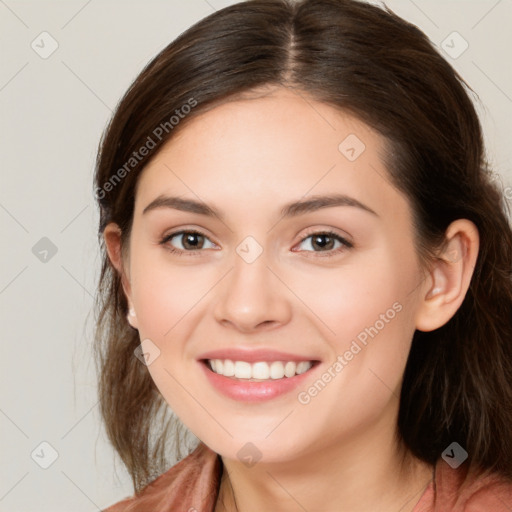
(323, 254)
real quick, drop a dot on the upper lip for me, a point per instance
(254, 355)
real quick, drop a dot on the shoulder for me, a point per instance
(486, 492)
(466, 490)
(190, 485)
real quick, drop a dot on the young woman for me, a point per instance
(306, 261)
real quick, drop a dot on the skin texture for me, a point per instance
(247, 158)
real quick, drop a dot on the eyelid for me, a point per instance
(182, 230)
(326, 231)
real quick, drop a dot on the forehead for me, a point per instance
(267, 150)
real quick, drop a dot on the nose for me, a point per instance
(251, 298)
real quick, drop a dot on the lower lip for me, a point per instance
(250, 391)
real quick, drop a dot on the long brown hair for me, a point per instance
(369, 62)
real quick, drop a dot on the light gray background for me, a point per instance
(53, 112)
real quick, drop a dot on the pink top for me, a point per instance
(192, 485)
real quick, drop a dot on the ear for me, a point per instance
(112, 237)
(449, 278)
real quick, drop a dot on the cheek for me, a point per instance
(168, 300)
(371, 312)
(354, 297)
(366, 313)
(166, 295)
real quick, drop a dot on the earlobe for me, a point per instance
(132, 318)
(449, 277)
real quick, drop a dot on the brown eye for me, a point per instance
(188, 241)
(328, 242)
(324, 242)
(192, 241)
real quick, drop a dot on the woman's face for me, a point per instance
(263, 283)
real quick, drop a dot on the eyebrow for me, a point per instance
(289, 210)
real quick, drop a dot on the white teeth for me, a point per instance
(277, 370)
(242, 370)
(289, 369)
(229, 368)
(303, 366)
(260, 370)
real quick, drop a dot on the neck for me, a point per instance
(359, 476)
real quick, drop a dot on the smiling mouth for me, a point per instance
(259, 371)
